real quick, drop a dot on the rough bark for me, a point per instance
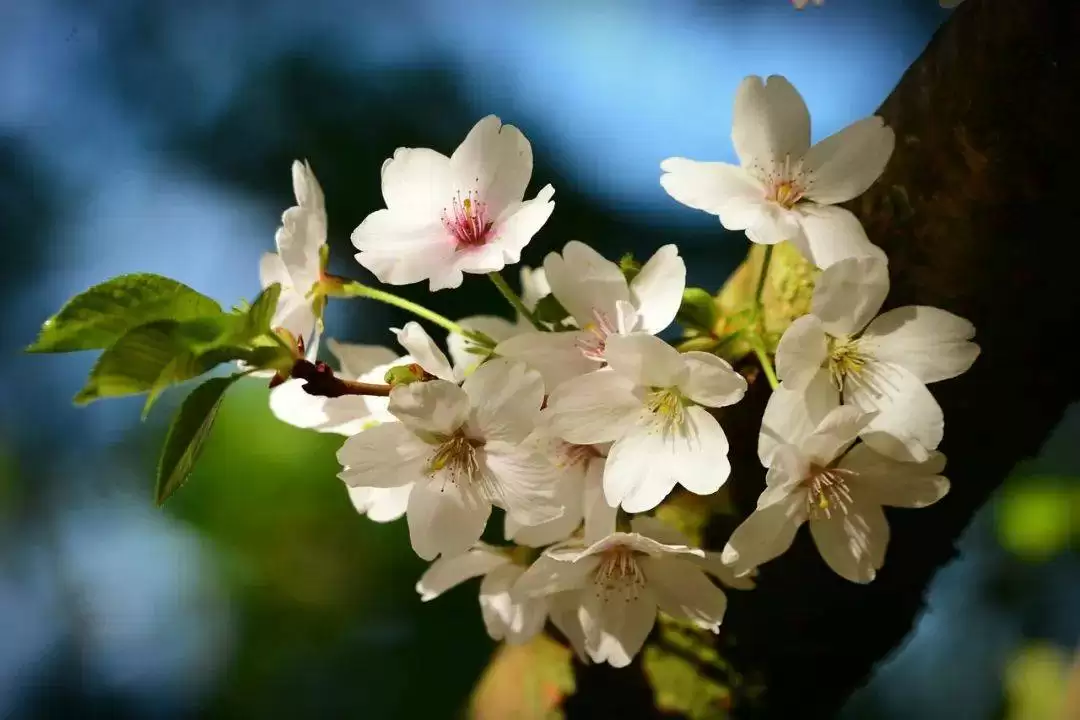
(975, 212)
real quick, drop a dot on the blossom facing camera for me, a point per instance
(621, 580)
(841, 352)
(815, 478)
(784, 188)
(446, 216)
(651, 403)
(601, 303)
(463, 449)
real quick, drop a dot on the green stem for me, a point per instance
(760, 292)
(355, 289)
(766, 366)
(514, 300)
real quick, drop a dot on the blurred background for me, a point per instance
(157, 137)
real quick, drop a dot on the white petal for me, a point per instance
(645, 359)
(646, 464)
(901, 484)
(506, 615)
(356, 360)
(909, 423)
(452, 570)
(845, 164)
(835, 434)
(790, 416)
(381, 504)
(444, 519)
(417, 182)
(599, 517)
(833, 234)
(295, 314)
(929, 342)
(424, 351)
(616, 625)
(534, 286)
(384, 456)
(774, 224)
(766, 534)
(272, 270)
(556, 356)
(494, 327)
(683, 591)
(514, 229)
(850, 292)
(527, 482)
(727, 191)
(853, 543)
(292, 405)
(569, 492)
(770, 121)
(435, 406)
(399, 249)
(563, 610)
(639, 544)
(506, 398)
(302, 233)
(495, 161)
(584, 282)
(549, 574)
(594, 408)
(788, 467)
(801, 352)
(711, 380)
(657, 290)
(306, 187)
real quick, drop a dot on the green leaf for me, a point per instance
(103, 314)
(188, 434)
(550, 310)
(697, 311)
(154, 356)
(262, 310)
(134, 363)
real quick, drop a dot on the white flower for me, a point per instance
(620, 581)
(842, 499)
(507, 616)
(880, 365)
(381, 504)
(649, 402)
(579, 490)
(460, 445)
(298, 263)
(448, 216)
(602, 303)
(785, 189)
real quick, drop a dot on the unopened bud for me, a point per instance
(404, 374)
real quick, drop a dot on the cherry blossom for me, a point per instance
(784, 188)
(446, 216)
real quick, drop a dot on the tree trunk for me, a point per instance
(975, 213)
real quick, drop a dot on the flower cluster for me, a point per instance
(571, 420)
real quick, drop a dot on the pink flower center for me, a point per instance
(467, 221)
(593, 345)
